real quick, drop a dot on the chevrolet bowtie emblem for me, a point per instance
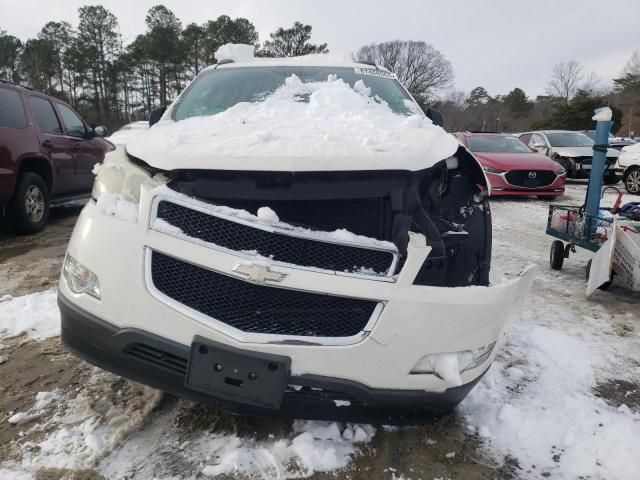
(259, 273)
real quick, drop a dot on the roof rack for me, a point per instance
(224, 61)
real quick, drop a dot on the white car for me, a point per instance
(293, 237)
(629, 162)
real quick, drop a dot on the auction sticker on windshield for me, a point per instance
(374, 72)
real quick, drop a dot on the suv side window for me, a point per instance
(74, 124)
(45, 115)
(525, 138)
(11, 111)
(536, 139)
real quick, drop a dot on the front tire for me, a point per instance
(28, 212)
(631, 180)
(556, 256)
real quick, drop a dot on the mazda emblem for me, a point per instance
(532, 174)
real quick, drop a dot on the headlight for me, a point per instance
(497, 171)
(120, 177)
(79, 278)
(559, 170)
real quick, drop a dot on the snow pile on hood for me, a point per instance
(237, 52)
(311, 126)
(36, 314)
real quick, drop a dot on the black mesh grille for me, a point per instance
(282, 248)
(255, 308)
(370, 217)
(158, 357)
(522, 178)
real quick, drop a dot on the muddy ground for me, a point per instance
(32, 263)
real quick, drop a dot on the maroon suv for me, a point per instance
(47, 153)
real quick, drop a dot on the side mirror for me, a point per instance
(538, 146)
(100, 131)
(436, 116)
(156, 115)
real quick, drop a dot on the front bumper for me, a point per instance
(315, 397)
(500, 186)
(413, 321)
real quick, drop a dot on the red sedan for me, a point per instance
(513, 168)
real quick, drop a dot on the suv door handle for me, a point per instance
(47, 144)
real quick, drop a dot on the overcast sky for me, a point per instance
(498, 44)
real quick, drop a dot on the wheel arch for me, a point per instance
(39, 166)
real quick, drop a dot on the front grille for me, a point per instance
(257, 308)
(370, 217)
(280, 247)
(523, 178)
(158, 357)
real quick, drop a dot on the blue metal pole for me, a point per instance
(603, 126)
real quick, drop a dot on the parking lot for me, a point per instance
(582, 416)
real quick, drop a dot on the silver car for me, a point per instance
(572, 150)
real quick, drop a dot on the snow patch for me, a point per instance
(35, 314)
(266, 215)
(315, 447)
(237, 52)
(111, 204)
(548, 416)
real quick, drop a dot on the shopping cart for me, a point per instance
(576, 227)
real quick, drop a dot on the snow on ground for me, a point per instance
(35, 314)
(336, 127)
(536, 405)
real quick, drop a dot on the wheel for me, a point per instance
(28, 212)
(604, 286)
(631, 180)
(556, 256)
(544, 197)
(611, 179)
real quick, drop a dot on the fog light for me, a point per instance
(79, 278)
(449, 366)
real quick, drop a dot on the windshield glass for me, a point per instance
(569, 140)
(496, 144)
(215, 91)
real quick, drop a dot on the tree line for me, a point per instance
(571, 95)
(111, 83)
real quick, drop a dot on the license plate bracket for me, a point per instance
(253, 378)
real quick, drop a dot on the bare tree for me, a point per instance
(565, 80)
(633, 65)
(418, 65)
(593, 84)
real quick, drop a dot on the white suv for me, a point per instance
(293, 237)
(629, 162)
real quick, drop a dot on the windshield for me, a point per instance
(217, 90)
(496, 144)
(569, 140)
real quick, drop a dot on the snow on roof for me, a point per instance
(236, 52)
(244, 56)
(336, 127)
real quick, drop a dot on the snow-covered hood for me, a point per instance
(582, 152)
(336, 128)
